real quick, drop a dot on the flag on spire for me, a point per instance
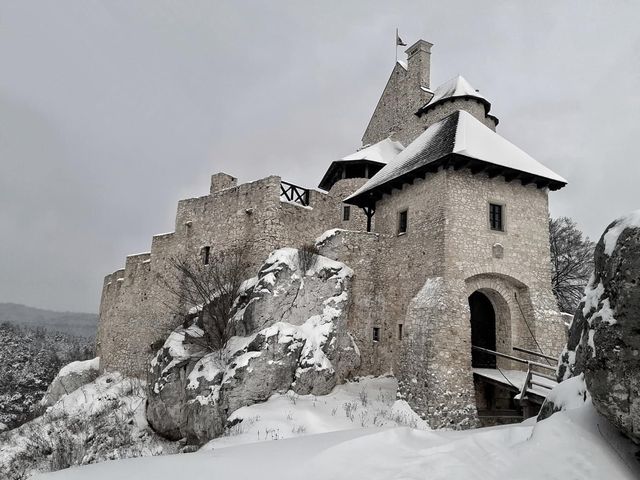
(399, 40)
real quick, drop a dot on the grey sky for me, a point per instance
(111, 111)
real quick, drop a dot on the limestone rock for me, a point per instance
(291, 333)
(604, 337)
(70, 378)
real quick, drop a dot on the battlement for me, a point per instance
(258, 216)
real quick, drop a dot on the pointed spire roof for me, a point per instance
(460, 140)
(457, 87)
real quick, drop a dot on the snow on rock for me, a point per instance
(290, 333)
(567, 395)
(327, 235)
(101, 420)
(71, 377)
(631, 220)
(604, 336)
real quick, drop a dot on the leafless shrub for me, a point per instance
(307, 254)
(350, 409)
(299, 429)
(364, 397)
(210, 285)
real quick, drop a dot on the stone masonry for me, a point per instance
(409, 313)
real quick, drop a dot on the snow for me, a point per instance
(324, 263)
(631, 220)
(592, 296)
(476, 140)
(382, 152)
(370, 402)
(79, 367)
(573, 444)
(296, 204)
(570, 394)
(327, 235)
(207, 367)
(455, 87)
(471, 139)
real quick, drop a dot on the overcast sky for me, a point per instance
(112, 111)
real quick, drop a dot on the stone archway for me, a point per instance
(483, 330)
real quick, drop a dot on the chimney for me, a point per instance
(419, 62)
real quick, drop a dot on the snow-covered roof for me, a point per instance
(459, 134)
(456, 87)
(381, 152)
(375, 156)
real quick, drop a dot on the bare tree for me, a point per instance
(572, 262)
(210, 283)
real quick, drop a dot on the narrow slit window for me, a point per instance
(400, 331)
(496, 217)
(346, 213)
(206, 255)
(376, 334)
(402, 222)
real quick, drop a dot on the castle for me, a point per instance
(444, 222)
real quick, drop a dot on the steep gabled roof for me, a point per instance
(376, 155)
(457, 87)
(462, 141)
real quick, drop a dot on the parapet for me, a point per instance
(222, 181)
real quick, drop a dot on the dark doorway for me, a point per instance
(483, 330)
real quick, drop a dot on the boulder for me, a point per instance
(290, 334)
(71, 377)
(604, 337)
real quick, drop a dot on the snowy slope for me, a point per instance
(576, 444)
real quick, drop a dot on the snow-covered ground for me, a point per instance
(355, 433)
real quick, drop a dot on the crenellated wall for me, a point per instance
(134, 313)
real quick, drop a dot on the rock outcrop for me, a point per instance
(291, 333)
(604, 337)
(70, 378)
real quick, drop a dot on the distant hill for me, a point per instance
(81, 324)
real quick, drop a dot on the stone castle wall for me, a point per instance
(422, 280)
(136, 311)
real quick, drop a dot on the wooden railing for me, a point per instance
(294, 193)
(532, 381)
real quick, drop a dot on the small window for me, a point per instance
(399, 331)
(206, 254)
(402, 222)
(346, 213)
(496, 220)
(376, 334)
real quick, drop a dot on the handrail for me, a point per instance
(498, 354)
(510, 357)
(530, 352)
(529, 382)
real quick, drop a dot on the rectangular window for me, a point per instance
(206, 254)
(376, 334)
(402, 222)
(496, 220)
(399, 331)
(346, 212)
